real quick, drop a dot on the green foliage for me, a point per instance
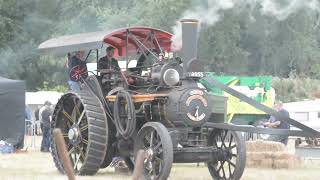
(46, 87)
(295, 89)
(220, 50)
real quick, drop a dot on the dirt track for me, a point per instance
(37, 165)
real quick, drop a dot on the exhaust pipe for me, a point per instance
(189, 46)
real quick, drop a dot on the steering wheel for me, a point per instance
(77, 72)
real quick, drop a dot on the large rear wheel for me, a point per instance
(231, 165)
(84, 125)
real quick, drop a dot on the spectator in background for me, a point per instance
(45, 114)
(68, 60)
(28, 120)
(36, 115)
(28, 113)
(278, 124)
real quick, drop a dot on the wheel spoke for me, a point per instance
(224, 138)
(151, 138)
(77, 161)
(229, 169)
(67, 122)
(76, 106)
(225, 135)
(84, 128)
(70, 151)
(150, 171)
(74, 115)
(231, 163)
(144, 147)
(233, 146)
(160, 165)
(221, 138)
(224, 173)
(67, 116)
(159, 162)
(80, 118)
(146, 141)
(147, 138)
(223, 144)
(154, 169)
(231, 138)
(221, 166)
(85, 141)
(215, 143)
(158, 159)
(68, 147)
(157, 146)
(82, 155)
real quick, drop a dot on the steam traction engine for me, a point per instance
(163, 112)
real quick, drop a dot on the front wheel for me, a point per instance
(231, 165)
(154, 139)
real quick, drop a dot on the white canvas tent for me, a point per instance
(38, 98)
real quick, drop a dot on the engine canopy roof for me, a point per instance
(138, 36)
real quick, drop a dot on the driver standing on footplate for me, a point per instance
(107, 66)
(108, 63)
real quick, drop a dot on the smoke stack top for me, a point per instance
(189, 21)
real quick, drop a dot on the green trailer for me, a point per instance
(238, 112)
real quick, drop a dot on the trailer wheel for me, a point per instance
(232, 164)
(84, 125)
(154, 138)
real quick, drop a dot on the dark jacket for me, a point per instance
(104, 63)
(46, 113)
(284, 125)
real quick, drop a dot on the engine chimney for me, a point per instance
(189, 45)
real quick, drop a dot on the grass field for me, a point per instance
(37, 165)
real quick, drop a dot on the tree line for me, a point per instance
(240, 43)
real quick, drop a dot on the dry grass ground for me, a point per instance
(35, 165)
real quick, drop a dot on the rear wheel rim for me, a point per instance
(83, 124)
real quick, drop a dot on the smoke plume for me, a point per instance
(283, 9)
(208, 13)
(211, 12)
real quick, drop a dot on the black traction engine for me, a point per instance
(160, 109)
